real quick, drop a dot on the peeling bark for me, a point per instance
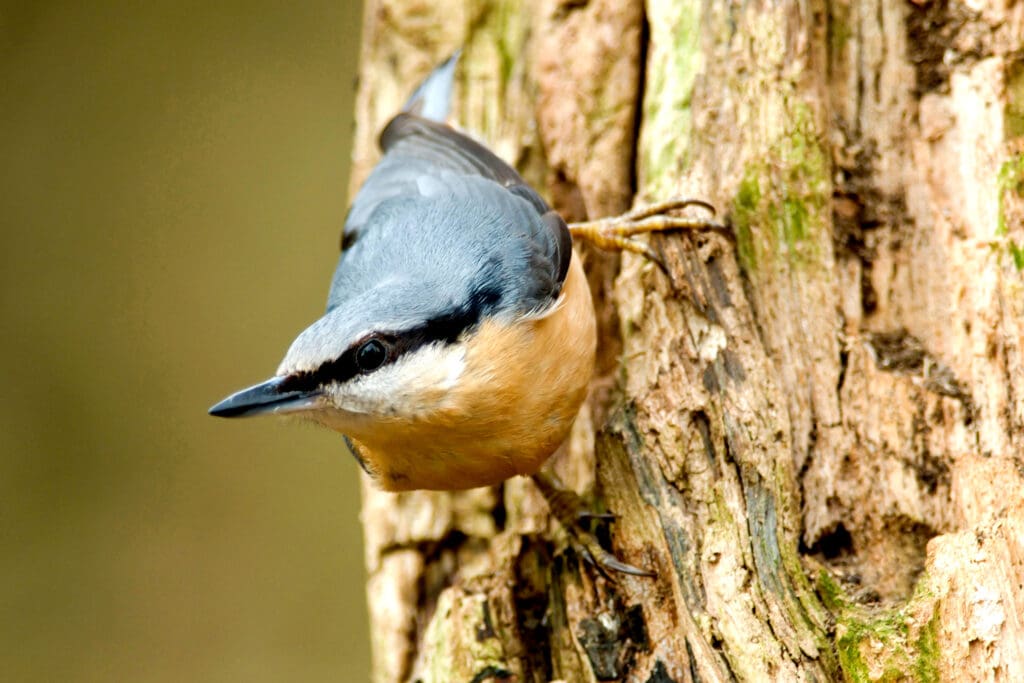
(813, 432)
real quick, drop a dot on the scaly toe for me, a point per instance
(570, 511)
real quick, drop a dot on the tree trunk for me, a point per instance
(812, 431)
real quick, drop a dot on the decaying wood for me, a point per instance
(814, 431)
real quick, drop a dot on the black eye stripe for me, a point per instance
(444, 329)
(346, 366)
(340, 369)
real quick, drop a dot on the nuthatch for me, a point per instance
(459, 337)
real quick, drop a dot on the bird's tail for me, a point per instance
(432, 99)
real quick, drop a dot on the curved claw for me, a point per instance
(673, 204)
(645, 250)
(569, 509)
(605, 561)
(586, 515)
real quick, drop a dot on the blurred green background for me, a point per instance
(172, 186)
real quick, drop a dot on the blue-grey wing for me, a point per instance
(489, 210)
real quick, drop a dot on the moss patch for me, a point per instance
(745, 208)
(1010, 182)
(884, 644)
(839, 31)
(672, 67)
(926, 666)
(1013, 113)
(781, 205)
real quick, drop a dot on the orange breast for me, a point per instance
(519, 393)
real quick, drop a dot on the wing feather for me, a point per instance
(488, 208)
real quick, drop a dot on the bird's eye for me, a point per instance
(371, 355)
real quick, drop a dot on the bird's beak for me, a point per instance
(266, 398)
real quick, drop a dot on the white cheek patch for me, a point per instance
(417, 383)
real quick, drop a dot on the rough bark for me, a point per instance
(812, 432)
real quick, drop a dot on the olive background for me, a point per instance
(173, 180)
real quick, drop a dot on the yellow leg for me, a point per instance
(618, 232)
(570, 511)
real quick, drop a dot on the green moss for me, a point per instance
(1010, 180)
(1013, 113)
(672, 67)
(839, 32)
(1017, 253)
(886, 634)
(832, 594)
(1010, 184)
(804, 605)
(926, 668)
(1011, 175)
(794, 220)
(854, 668)
(721, 515)
(511, 31)
(496, 36)
(780, 207)
(745, 207)
(898, 651)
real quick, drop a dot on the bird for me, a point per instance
(459, 338)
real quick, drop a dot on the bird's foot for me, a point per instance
(619, 233)
(572, 513)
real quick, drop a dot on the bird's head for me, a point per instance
(393, 353)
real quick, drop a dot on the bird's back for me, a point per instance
(443, 212)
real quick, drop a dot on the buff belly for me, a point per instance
(520, 390)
